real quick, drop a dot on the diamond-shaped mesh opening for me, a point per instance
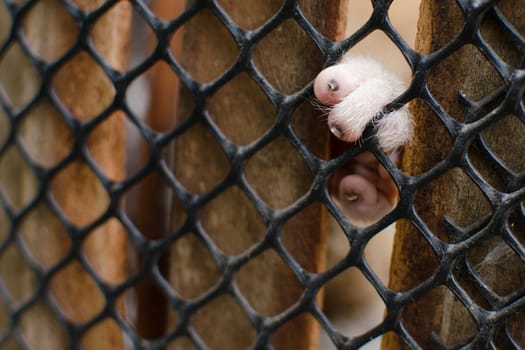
(290, 45)
(466, 193)
(108, 239)
(284, 169)
(18, 182)
(199, 175)
(352, 304)
(39, 225)
(189, 279)
(40, 125)
(107, 136)
(71, 283)
(228, 321)
(510, 126)
(52, 336)
(242, 96)
(19, 80)
(76, 188)
(301, 241)
(89, 93)
(152, 98)
(471, 87)
(229, 214)
(217, 42)
(58, 26)
(494, 261)
(362, 188)
(265, 299)
(19, 279)
(221, 320)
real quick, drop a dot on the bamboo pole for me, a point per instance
(85, 90)
(454, 195)
(288, 60)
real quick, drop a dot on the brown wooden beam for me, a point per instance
(289, 60)
(85, 91)
(454, 195)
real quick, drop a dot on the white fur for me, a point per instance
(376, 87)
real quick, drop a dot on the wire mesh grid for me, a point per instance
(31, 289)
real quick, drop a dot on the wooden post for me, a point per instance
(288, 60)
(148, 204)
(454, 195)
(85, 91)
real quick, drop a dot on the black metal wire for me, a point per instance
(508, 99)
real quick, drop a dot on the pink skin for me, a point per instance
(362, 187)
(333, 84)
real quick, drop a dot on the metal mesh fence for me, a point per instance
(66, 282)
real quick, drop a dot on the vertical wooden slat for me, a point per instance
(288, 60)
(85, 90)
(149, 207)
(454, 195)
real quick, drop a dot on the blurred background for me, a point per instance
(351, 303)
